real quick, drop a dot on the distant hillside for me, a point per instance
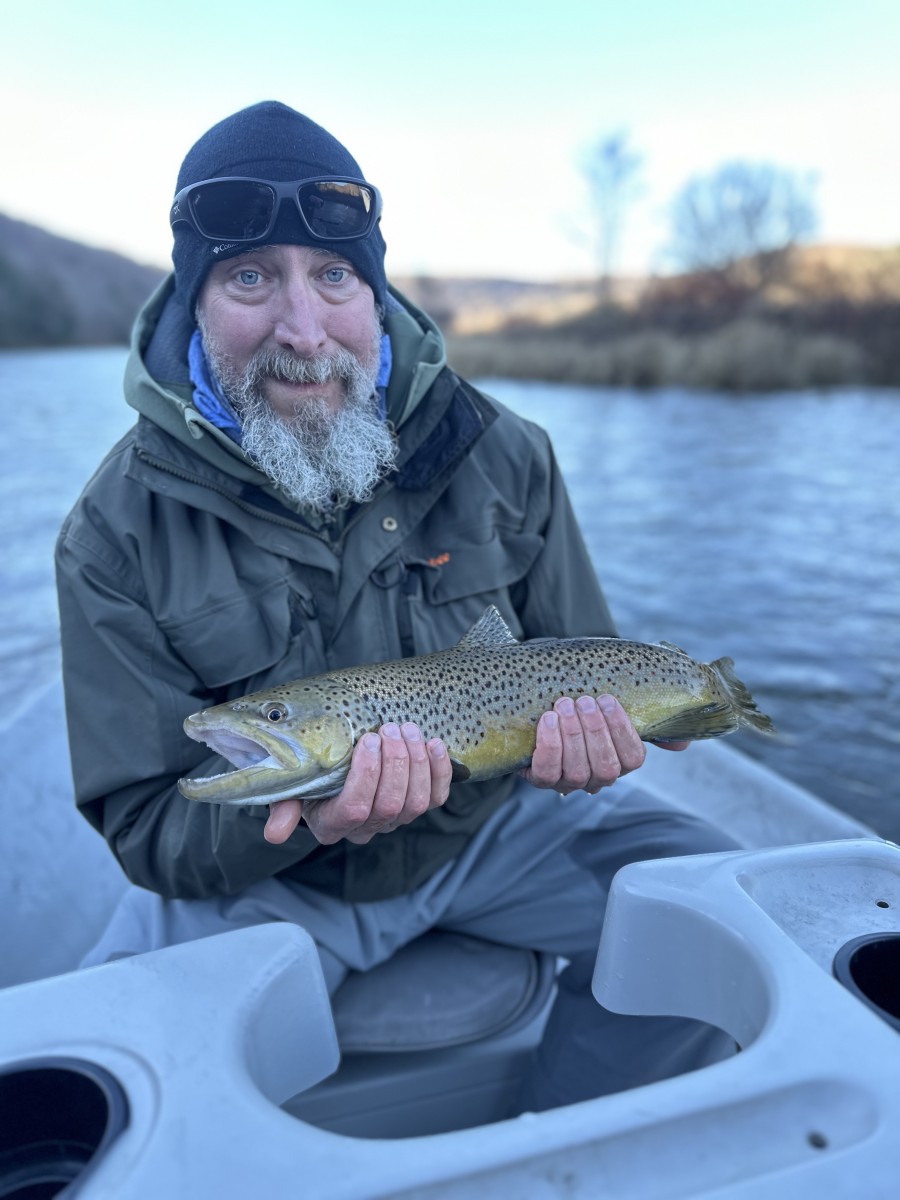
(829, 319)
(468, 305)
(819, 275)
(56, 292)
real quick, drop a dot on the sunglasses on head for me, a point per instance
(236, 209)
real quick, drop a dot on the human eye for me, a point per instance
(336, 279)
(248, 277)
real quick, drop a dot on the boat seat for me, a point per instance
(442, 989)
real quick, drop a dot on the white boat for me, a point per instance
(219, 1068)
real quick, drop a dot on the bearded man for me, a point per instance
(309, 486)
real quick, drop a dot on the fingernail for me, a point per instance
(608, 704)
(391, 730)
(411, 733)
(551, 720)
(436, 749)
(565, 707)
(372, 742)
(586, 704)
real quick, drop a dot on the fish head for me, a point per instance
(293, 741)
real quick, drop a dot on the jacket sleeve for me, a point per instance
(561, 595)
(127, 694)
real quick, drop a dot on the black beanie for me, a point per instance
(269, 141)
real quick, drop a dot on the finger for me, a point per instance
(576, 765)
(664, 745)
(418, 790)
(629, 749)
(604, 767)
(284, 817)
(546, 762)
(393, 783)
(351, 808)
(441, 772)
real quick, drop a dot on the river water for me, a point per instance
(763, 527)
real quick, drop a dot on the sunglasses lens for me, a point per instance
(336, 209)
(232, 210)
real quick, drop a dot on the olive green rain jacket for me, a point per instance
(185, 580)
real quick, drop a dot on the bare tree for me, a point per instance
(742, 221)
(610, 168)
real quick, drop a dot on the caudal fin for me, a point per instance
(744, 705)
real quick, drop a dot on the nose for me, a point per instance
(299, 325)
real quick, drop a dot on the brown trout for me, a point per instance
(483, 698)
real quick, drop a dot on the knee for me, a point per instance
(650, 836)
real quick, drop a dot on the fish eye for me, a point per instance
(275, 712)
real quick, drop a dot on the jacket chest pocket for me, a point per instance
(249, 642)
(448, 594)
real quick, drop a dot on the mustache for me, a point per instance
(279, 364)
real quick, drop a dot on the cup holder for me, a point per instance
(58, 1116)
(869, 966)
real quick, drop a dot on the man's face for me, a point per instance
(293, 335)
(299, 299)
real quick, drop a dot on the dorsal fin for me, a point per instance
(672, 646)
(489, 632)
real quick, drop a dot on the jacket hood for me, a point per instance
(157, 383)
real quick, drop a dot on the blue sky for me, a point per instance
(470, 116)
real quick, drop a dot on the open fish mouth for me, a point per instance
(242, 750)
(245, 749)
(269, 767)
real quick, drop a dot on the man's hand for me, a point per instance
(587, 745)
(394, 777)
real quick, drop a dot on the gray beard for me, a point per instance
(320, 458)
